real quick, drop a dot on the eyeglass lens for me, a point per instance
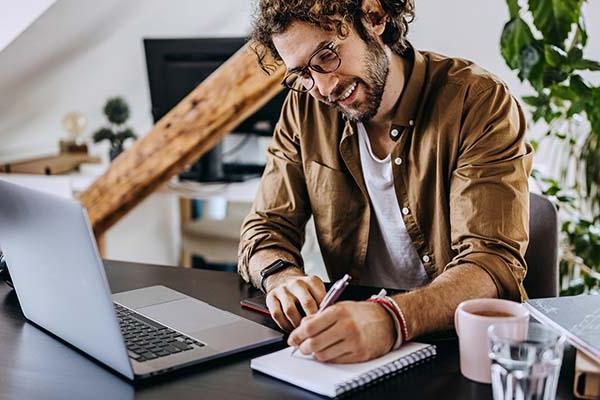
(324, 61)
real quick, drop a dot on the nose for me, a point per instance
(325, 83)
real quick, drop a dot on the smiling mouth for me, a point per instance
(348, 93)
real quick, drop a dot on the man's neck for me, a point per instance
(393, 89)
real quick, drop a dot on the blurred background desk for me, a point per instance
(211, 216)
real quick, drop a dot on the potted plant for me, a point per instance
(117, 113)
(544, 42)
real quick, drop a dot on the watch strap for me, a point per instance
(273, 268)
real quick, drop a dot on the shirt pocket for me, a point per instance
(321, 177)
(335, 201)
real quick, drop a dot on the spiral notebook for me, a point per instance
(335, 379)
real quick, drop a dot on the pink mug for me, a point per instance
(471, 321)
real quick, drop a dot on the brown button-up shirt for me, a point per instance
(461, 164)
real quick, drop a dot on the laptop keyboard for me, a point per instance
(149, 340)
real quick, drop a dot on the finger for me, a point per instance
(323, 340)
(338, 351)
(316, 287)
(346, 358)
(312, 326)
(277, 314)
(302, 292)
(288, 304)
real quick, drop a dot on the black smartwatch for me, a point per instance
(273, 268)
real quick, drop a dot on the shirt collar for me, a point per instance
(408, 102)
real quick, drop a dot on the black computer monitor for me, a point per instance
(177, 66)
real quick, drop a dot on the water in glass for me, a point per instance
(526, 361)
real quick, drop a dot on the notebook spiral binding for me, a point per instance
(388, 370)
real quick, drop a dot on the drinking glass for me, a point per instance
(525, 361)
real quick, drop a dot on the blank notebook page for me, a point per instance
(334, 379)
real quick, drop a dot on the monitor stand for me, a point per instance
(209, 168)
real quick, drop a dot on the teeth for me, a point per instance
(349, 92)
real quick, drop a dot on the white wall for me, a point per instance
(18, 15)
(80, 52)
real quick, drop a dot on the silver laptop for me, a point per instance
(61, 285)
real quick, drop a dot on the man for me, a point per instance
(414, 166)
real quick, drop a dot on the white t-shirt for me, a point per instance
(392, 260)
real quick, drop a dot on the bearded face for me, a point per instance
(356, 87)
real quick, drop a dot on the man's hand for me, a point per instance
(290, 292)
(346, 332)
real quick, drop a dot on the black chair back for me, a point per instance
(542, 253)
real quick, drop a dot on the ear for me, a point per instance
(374, 17)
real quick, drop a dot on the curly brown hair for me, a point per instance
(275, 16)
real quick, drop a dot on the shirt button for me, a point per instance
(411, 122)
(394, 133)
(426, 258)
(398, 161)
(405, 211)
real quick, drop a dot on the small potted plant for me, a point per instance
(117, 113)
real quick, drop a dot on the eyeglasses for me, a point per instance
(324, 61)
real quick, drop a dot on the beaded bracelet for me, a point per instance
(396, 317)
(401, 314)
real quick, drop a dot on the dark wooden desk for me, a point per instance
(34, 365)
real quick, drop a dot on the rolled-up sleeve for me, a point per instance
(489, 194)
(280, 211)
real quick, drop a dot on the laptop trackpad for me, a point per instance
(188, 315)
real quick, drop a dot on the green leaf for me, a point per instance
(513, 8)
(116, 110)
(552, 190)
(531, 66)
(126, 134)
(575, 53)
(563, 92)
(103, 134)
(585, 64)
(560, 136)
(580, 87)
(576, 108)
(554, 18)
(566, 199)
(555, 56)
(537, 101)
(538, 113)
(534, 144)
(553, 75)
(550, 115)
(581, 35)
(515, 36)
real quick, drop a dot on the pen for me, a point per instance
(332, 295)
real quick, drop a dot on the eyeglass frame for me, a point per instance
(309, 67)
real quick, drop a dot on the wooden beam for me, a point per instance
(231, 94)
